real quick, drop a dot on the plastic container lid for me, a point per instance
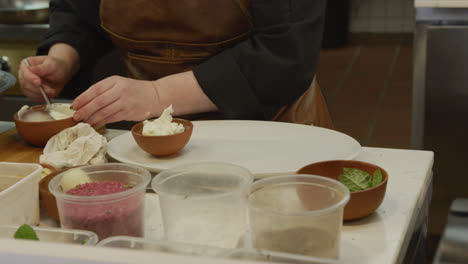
(161, 246)
(53, 234)
(204, 180)
(271, 256)
(100, 172)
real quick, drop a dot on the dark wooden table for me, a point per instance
(14, 149)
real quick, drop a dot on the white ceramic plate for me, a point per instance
(265, 148)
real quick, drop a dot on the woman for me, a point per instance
(241, 59)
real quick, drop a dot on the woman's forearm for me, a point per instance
(184, 93)
(68, 56)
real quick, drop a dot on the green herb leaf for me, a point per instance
(377, 178)
(84, 241)
(355, 179)
(127, 186)
(26, 232)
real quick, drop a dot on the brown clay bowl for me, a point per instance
(38, 133)
(361, 203)
(47, 166)
(161, 146)
(47, 198)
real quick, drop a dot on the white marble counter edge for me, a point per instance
(386, 234)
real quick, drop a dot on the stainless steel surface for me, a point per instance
(5, 64)
(29, 32)
(46, 98)
(24, 11)
(6, 81)
(15, 5)
(419, 81)
(434, 16)
(430, 43)
(453, 246)
(440, 98)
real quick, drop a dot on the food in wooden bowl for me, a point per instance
(163, 136)
(161, 146)
(36, 125)
(47, 198)
(46, 170)
(367, 183)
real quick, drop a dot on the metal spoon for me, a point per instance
(40, 87)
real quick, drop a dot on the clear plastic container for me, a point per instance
(107, 215)
(270, 256)
(298, 214)
(204, 203)
(19, 193)
(53, 234)
(161, 246)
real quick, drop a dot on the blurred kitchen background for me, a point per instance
(393, 75)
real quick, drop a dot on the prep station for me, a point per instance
(395, 233)
(392, 234)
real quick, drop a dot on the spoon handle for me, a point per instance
(40, 86)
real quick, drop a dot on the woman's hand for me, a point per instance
(47, 71)
(116, 98)
(52, 71)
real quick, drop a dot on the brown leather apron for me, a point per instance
(163, 37)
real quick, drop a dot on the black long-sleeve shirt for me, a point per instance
(251, 80)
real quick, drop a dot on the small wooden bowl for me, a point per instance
(161, 146)
(38, 133)
(47, 166)
(47, 198)
(361, 203)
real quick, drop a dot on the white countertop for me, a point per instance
(384, 236)
(380, 238)
(441, 3)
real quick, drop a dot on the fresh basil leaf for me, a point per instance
(355, 179)
(26, 232)
(377, 178)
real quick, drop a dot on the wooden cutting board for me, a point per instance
(14, 149)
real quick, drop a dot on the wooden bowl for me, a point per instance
(47, 166)
(161, 146)
(38, 133)
(361, 203)
(47, 198)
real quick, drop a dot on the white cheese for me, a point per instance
(73, 178)
(163, 125)
(56, 111)
(61, 111)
